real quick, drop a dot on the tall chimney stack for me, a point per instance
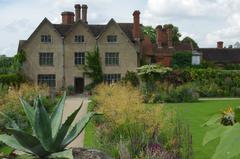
(170, 36)
(84, 13)
(77, 12)
(219, 44)
(136, 25)
(67, 17)
(159, 36)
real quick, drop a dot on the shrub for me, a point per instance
(11, 79)
(70, 90)
(131, 77)
(182, 59)
(128, 120)
(10, 104)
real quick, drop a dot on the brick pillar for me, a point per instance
(136, 25)
(170, 36)
(67, 17)
(77, 12)
(159, 36)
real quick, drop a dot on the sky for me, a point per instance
(206, 21)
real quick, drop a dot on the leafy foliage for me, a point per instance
(127, 125)
(93, 67)
(190, 41)
(150, 32)
(182, 59)
(131, 77)
(227, 131)
(49, 135)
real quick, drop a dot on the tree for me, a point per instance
(150, 32)
(176, 34)
(93, 67)
(189, 40)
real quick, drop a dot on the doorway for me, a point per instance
(79, 85)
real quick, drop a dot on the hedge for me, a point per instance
(11, 79)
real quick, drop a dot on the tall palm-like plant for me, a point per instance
(49, 135)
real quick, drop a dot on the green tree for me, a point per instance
(93, 67)
(189, 40)
(150, 32)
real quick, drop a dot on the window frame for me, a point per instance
(48, 79)
(112, 39)
(111, 78)
(78, 37)
(79, 60)
(46, 39)
(112, 58)
(46, 58)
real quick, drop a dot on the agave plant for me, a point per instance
(49, 135)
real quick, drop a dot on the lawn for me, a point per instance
(195, 114)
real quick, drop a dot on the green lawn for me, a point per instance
(195, 114)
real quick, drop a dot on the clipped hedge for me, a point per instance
(11, 79)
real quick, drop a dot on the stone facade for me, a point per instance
(64, 47)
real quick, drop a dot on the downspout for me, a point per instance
(63, 64)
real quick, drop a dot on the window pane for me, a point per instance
(46, 38)
(111, 38)
(112, 58)
(79, 39)
(46, 58)
(49, 80)
(79, 58)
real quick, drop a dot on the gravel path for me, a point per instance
(71, 104)
(206, 99)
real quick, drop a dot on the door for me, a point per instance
(79, 85)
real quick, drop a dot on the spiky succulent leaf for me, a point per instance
(29, 142)
(64, 129)
(12, 122)
(12, 142)
(29, 111)
(56, 117)
(77, 129)
(214, 134)
(229, 145)
(64, 154)
(42, 126)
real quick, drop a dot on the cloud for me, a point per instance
(208, 20)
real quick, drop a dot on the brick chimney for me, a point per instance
(77, 12)
(219, 44)
(159, 36)
(170, 36)
(136, 25)
(84, 13)
(67, 17)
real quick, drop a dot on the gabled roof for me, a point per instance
(24, 42)
(97, 30)
(224, 55)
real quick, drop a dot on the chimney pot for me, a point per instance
(84, 13)
(67, 17)
(136, 25)
(220, 44)
(77, 12)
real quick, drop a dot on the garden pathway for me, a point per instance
(71, 104)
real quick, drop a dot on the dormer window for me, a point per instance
(79, 39)
(112, 38)
(46, 38)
